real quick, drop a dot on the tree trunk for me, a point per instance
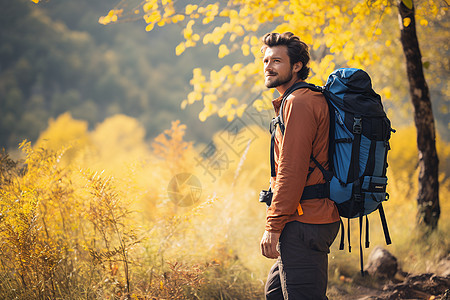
(428, 195)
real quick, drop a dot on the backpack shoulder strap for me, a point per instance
(326, 174)
(279, 119)
(295, 86)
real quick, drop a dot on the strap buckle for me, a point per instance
(357, 125)
(273, 124)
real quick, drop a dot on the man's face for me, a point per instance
(277, 66)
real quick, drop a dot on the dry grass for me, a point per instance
(70, 231)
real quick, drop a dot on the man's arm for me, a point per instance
(293, 158)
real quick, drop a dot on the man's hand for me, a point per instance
(269, 244)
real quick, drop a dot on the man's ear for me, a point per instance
(297, 66)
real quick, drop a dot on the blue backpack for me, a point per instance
(358, 147)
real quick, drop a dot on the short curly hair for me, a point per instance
(297, 50)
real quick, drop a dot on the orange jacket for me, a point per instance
(306, 119)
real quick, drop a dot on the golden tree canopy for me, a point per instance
(340, 32)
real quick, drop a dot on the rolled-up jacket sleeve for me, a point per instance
(292, 161)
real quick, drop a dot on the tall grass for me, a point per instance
(95, 221)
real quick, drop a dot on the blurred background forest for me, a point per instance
(57, 58)
(117, 192)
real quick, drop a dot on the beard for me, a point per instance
(274, 81)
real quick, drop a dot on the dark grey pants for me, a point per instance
(301, 271)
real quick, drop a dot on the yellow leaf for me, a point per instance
(190, 24)
(202, 116)
(408, 4)
(149, 27)
(230, 115)
(207, 20)
(222, 112)
(224, 13)
(239, 30)
(153, 18)
(147, 6)
(168, 11)
(406, 22)
(387, 92)
(180, 49)
(103, 20)
(197, 72)
(207, 38)
(424, 22)
(187, 34)
(190, 43)
(231, 101)
(223, 51)
(258, 105)
(236, 67)
(190, 9)
(209, 98)
(254, 41)
(234, 14)
(245, 49)
(240, 111)
(177, 18)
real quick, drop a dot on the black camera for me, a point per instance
(266, 197)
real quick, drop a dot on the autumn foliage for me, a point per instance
(91, 217)
(358, 34)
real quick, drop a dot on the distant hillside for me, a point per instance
(55, 57)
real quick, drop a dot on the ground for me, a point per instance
(424, 286)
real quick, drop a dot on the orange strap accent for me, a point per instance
(299, 209)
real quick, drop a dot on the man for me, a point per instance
(297, 234)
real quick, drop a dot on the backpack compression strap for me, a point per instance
(384, 225)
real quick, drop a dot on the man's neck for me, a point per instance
(283, 88)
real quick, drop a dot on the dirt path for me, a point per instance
(425, 286)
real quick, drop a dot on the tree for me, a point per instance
(428, 195)
(341, 32)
